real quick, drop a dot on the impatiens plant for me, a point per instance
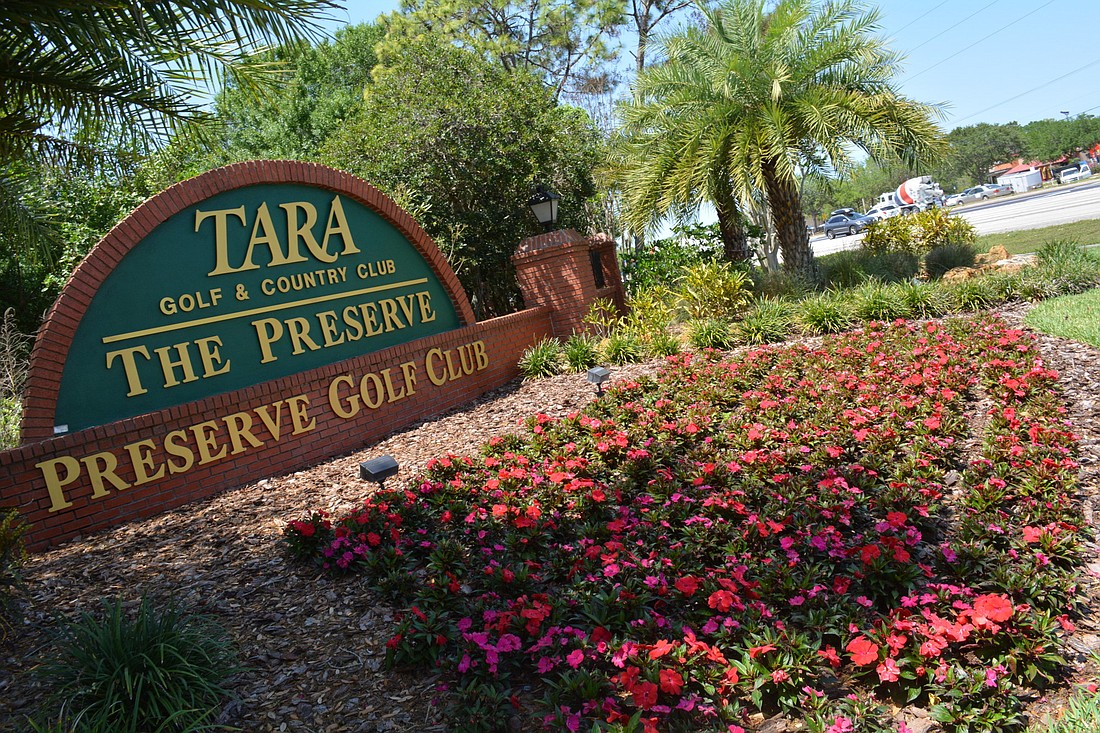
(798, 530)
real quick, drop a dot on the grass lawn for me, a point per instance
(1071, 316)
(1084, 232)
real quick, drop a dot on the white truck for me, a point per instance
(914, 194)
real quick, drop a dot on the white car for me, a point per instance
(1076, 173)
(883, 211)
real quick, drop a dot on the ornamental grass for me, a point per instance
(791, 530)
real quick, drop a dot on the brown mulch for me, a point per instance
(314, 645)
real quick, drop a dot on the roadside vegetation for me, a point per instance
(1074, 317)
(1024, 241)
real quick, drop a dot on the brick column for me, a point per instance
(561, 270)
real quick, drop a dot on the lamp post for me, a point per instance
(544, 204)
(378, 470)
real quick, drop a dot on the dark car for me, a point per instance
(846, 224)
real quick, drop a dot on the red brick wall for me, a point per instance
(556, 270)
(22, 485)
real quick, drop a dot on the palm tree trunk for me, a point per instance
(735, 245)
(790, 225)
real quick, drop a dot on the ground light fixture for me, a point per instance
(544, 204)
(378, 470)
(597, 376)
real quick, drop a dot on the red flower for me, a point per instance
(829, 655)
(720, 600)
(863, 651)
(305, 528)
(888, 671)
(645, 695)
(671, 681)
(869, 553)
(992, 607)
(687, 585)
(756, 651)
(660, 649)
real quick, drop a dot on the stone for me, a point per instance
(959, 274)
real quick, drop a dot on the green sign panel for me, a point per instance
(247, 286)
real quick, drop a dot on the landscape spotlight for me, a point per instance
(597, 376)
(378, 470)
(544, 204)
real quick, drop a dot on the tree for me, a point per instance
(793, 89)
(977, 148)
(647, 14)
(320, 87)
(459, 141)
(557, 40)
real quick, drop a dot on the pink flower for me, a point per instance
(575, 658)
(840, 725)
(888, 671)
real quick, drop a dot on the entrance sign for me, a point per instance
(249, 285)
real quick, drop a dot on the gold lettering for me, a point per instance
(334, 398)
(268, 331)
(424, 300)
(206, 441)
(353, 323)
(97, 474)
(392, 395)
(240, 424)
(211, 357)
(327, 320)
(336, 214)
(299, 414)
(55, 482)
(133, 381)
(378, 391)
(299, 334)
(274, 426)
(479, 353)
(438, 381)
(370, 318)
(264, 234)
(303, 231)
(143, 462)
(408, 370)
(221, 240)
(389, 314)
(179, 451)
(168, 367)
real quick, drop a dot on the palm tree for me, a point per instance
(800, 86)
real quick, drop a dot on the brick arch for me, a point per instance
(55, 336)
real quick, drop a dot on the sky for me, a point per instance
(991, 61)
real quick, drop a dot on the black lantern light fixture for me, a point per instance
(598, 375)
(544, 204)
(378, 470)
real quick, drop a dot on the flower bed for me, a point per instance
(791, 530)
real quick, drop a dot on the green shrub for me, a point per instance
(1063, 253)
(830, 312)
(713, 290)
(580, 353)
(663, 343)
(161, 670)
(925, 300)
(11, 413)
(13, 555)
(651, 312)
(918, 233)
(541, 360)
(843, 269)
(974, 294)
(661, 262)
(947, 257)
(623, 348)
(781, 284)
(603, 316)
(710, 333)
(850, 268)
(767, 322)
(14, 349)
(875, 301)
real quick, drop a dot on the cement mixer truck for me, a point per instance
(915, 194)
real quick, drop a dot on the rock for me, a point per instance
(996, 252)
(959, 274)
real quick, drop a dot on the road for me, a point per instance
(1045, 208)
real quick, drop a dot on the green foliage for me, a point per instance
(973, 294)
(850, 268)
(660, 263)
(781, 284)
(465, 139)
(918, 233)
(13, 555)
(925, 300)
(563, 42)
(663, 343)
(623, 348)
(875, 301)
(580, 352)
(713, 290)
(14, 353)
(829, 312)
(944, 258)
(541, 360)
(320, 86)
(767, 322)
(602, 316)
(976, 148)
(710, 333)
(1081, 714)
(160, 669)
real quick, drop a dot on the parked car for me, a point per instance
(989, 190)
(963, 197)
(879, 212)
(846, 212)
(846, 224)
(1075, 173)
